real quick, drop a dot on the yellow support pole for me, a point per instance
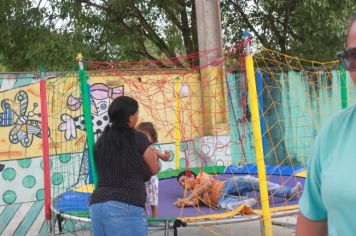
(266, 214)
(177, 124)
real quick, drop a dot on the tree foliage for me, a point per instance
(311, 29)
(49, 33)
(134, 30)
(101, 30)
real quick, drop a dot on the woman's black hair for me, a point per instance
(117, 136)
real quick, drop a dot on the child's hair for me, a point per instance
(150, 129)
(187, 173)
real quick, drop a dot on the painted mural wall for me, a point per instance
(22, 193)
(21, 181)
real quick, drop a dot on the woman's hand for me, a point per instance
(163, 156)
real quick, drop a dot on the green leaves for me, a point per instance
(312, 29)
(52, 33)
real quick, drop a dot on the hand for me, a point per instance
(185, 202)
(68, 126)
(166, 155)
(180, 202)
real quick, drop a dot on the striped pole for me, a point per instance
(255, 117)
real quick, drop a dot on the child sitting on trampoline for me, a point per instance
(228, 194)
(152, 185)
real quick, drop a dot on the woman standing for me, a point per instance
(124, 161)
(328, 203)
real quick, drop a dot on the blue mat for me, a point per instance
(73, 201)
(270, 170)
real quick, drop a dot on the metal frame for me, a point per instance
(167, 225)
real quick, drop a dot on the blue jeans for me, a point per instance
(236, 189)
(117, 218)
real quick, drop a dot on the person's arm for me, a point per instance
(312, 219)
(200, 190)
(163, 156)
(151, 160)
(196, 194)
(306, 227)
(182, 203)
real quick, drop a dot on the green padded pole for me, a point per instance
(343, 87)
(87, 116)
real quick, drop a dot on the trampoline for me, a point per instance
(73, 204)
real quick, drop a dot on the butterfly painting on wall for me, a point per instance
(24, 123)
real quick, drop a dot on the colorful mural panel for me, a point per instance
(20, 123)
